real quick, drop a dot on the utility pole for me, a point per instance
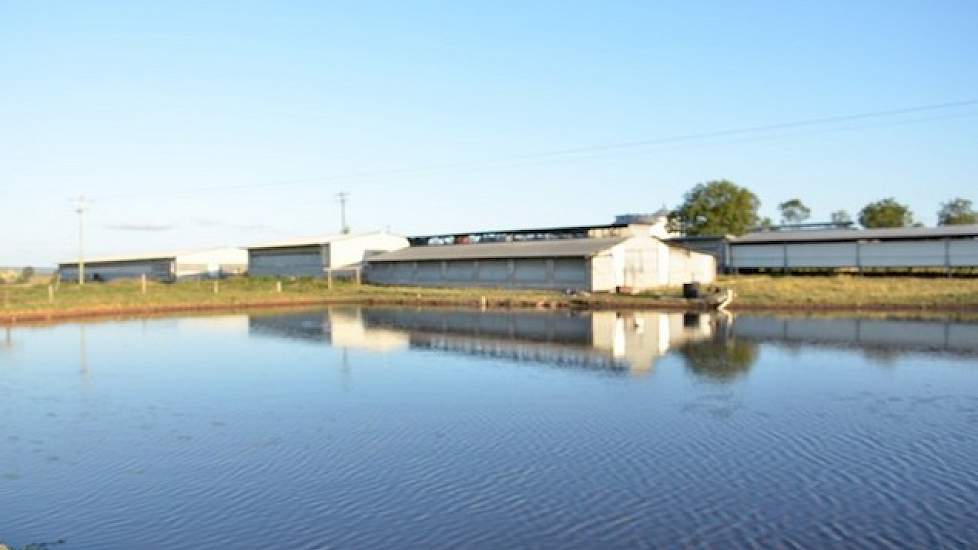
(342, 196)
(81, 238)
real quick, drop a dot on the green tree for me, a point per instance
(841, 217)
(885, 213)
(26, 274)
(794, 211)
(956, 212)
(717, 208)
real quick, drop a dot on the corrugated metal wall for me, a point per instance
(304, 261)
(159, 270)
(874, 254)
(543, 273)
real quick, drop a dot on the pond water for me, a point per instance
(405, 428)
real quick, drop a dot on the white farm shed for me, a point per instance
(160, 266)
(313, 256)
(945, 247)
(596, 265)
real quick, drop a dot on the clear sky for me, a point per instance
(226, 123)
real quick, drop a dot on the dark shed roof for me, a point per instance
(899, 233)
(521, 249)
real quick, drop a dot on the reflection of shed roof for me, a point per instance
(313, 241)
(521, 249)
(899, 233)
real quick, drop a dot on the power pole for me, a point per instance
(80, 209)
(342, 196)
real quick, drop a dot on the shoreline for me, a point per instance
(515, 302)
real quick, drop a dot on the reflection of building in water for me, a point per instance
(340, 326)
(619, 341)
(882, 334)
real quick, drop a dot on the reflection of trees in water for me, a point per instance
(882, 357)
(722, 360)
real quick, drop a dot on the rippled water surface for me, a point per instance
(386, 428)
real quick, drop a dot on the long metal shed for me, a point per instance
(596, 264)
(936, 247)
(159, 266)
(313, 256)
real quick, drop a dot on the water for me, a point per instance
(385, 428)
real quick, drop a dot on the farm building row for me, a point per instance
(628, 254)
(635, 253)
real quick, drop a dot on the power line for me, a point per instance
(575, 152)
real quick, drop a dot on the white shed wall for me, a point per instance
(352, 251)
(689, 266)
(212, 263)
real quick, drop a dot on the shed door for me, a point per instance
(634, 268)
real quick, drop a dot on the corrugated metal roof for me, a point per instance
(142, 256)
(858, 234)
(314, 240)
(522, 249)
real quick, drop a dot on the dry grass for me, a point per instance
(852, 291)
(777, 292)
(125, 294)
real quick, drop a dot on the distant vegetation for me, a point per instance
(956, 212)
(794, 211)
(14, 275)
(722, 207)
(885, 213)
(717, 208)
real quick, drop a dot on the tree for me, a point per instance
(841, 217)
(26, 274)
(956, 212)
(717, 208)
(794, 211)
(885, 213)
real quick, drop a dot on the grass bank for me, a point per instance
(32, 302)
(852, 292)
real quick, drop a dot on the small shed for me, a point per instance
(159, 266)
(595, 264)
(313, 256)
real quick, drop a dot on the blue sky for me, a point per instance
(214, 123)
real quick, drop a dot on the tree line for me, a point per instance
(722, 207)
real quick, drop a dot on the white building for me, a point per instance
(314, 256)
(605, 264)
(160, 266)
